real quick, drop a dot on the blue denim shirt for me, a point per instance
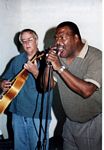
(29, 101)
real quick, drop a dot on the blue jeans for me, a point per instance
(26, 133)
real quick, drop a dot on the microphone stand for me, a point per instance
(47, 107)
(39, 144)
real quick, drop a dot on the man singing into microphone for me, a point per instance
(78, 70)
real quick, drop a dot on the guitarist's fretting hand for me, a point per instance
(5, 85)
(32, 67)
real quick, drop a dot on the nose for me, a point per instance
(27, 43)
(58, 41)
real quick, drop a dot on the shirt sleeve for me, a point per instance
(94, 72)
(9, 73)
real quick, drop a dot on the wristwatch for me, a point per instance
(61, 69)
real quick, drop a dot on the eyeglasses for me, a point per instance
(29, 40)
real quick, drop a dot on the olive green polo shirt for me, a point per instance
(87, 66)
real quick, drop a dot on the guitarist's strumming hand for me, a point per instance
(5, 85)
(32, 67)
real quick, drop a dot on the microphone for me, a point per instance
(57, 49)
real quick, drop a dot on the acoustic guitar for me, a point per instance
(17, 84)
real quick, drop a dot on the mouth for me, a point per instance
(28, 47)
(61, 49)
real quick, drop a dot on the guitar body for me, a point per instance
(13, 91)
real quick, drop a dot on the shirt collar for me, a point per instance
(84, 49)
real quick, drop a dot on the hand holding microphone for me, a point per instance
(52, 57)
(51, 50)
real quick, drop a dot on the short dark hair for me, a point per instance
(28, 30)
(72, 26)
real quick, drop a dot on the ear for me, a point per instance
(76, 37)
(36, 42)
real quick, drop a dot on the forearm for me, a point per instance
(78, 85)
(35, 74)
(48, 77)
